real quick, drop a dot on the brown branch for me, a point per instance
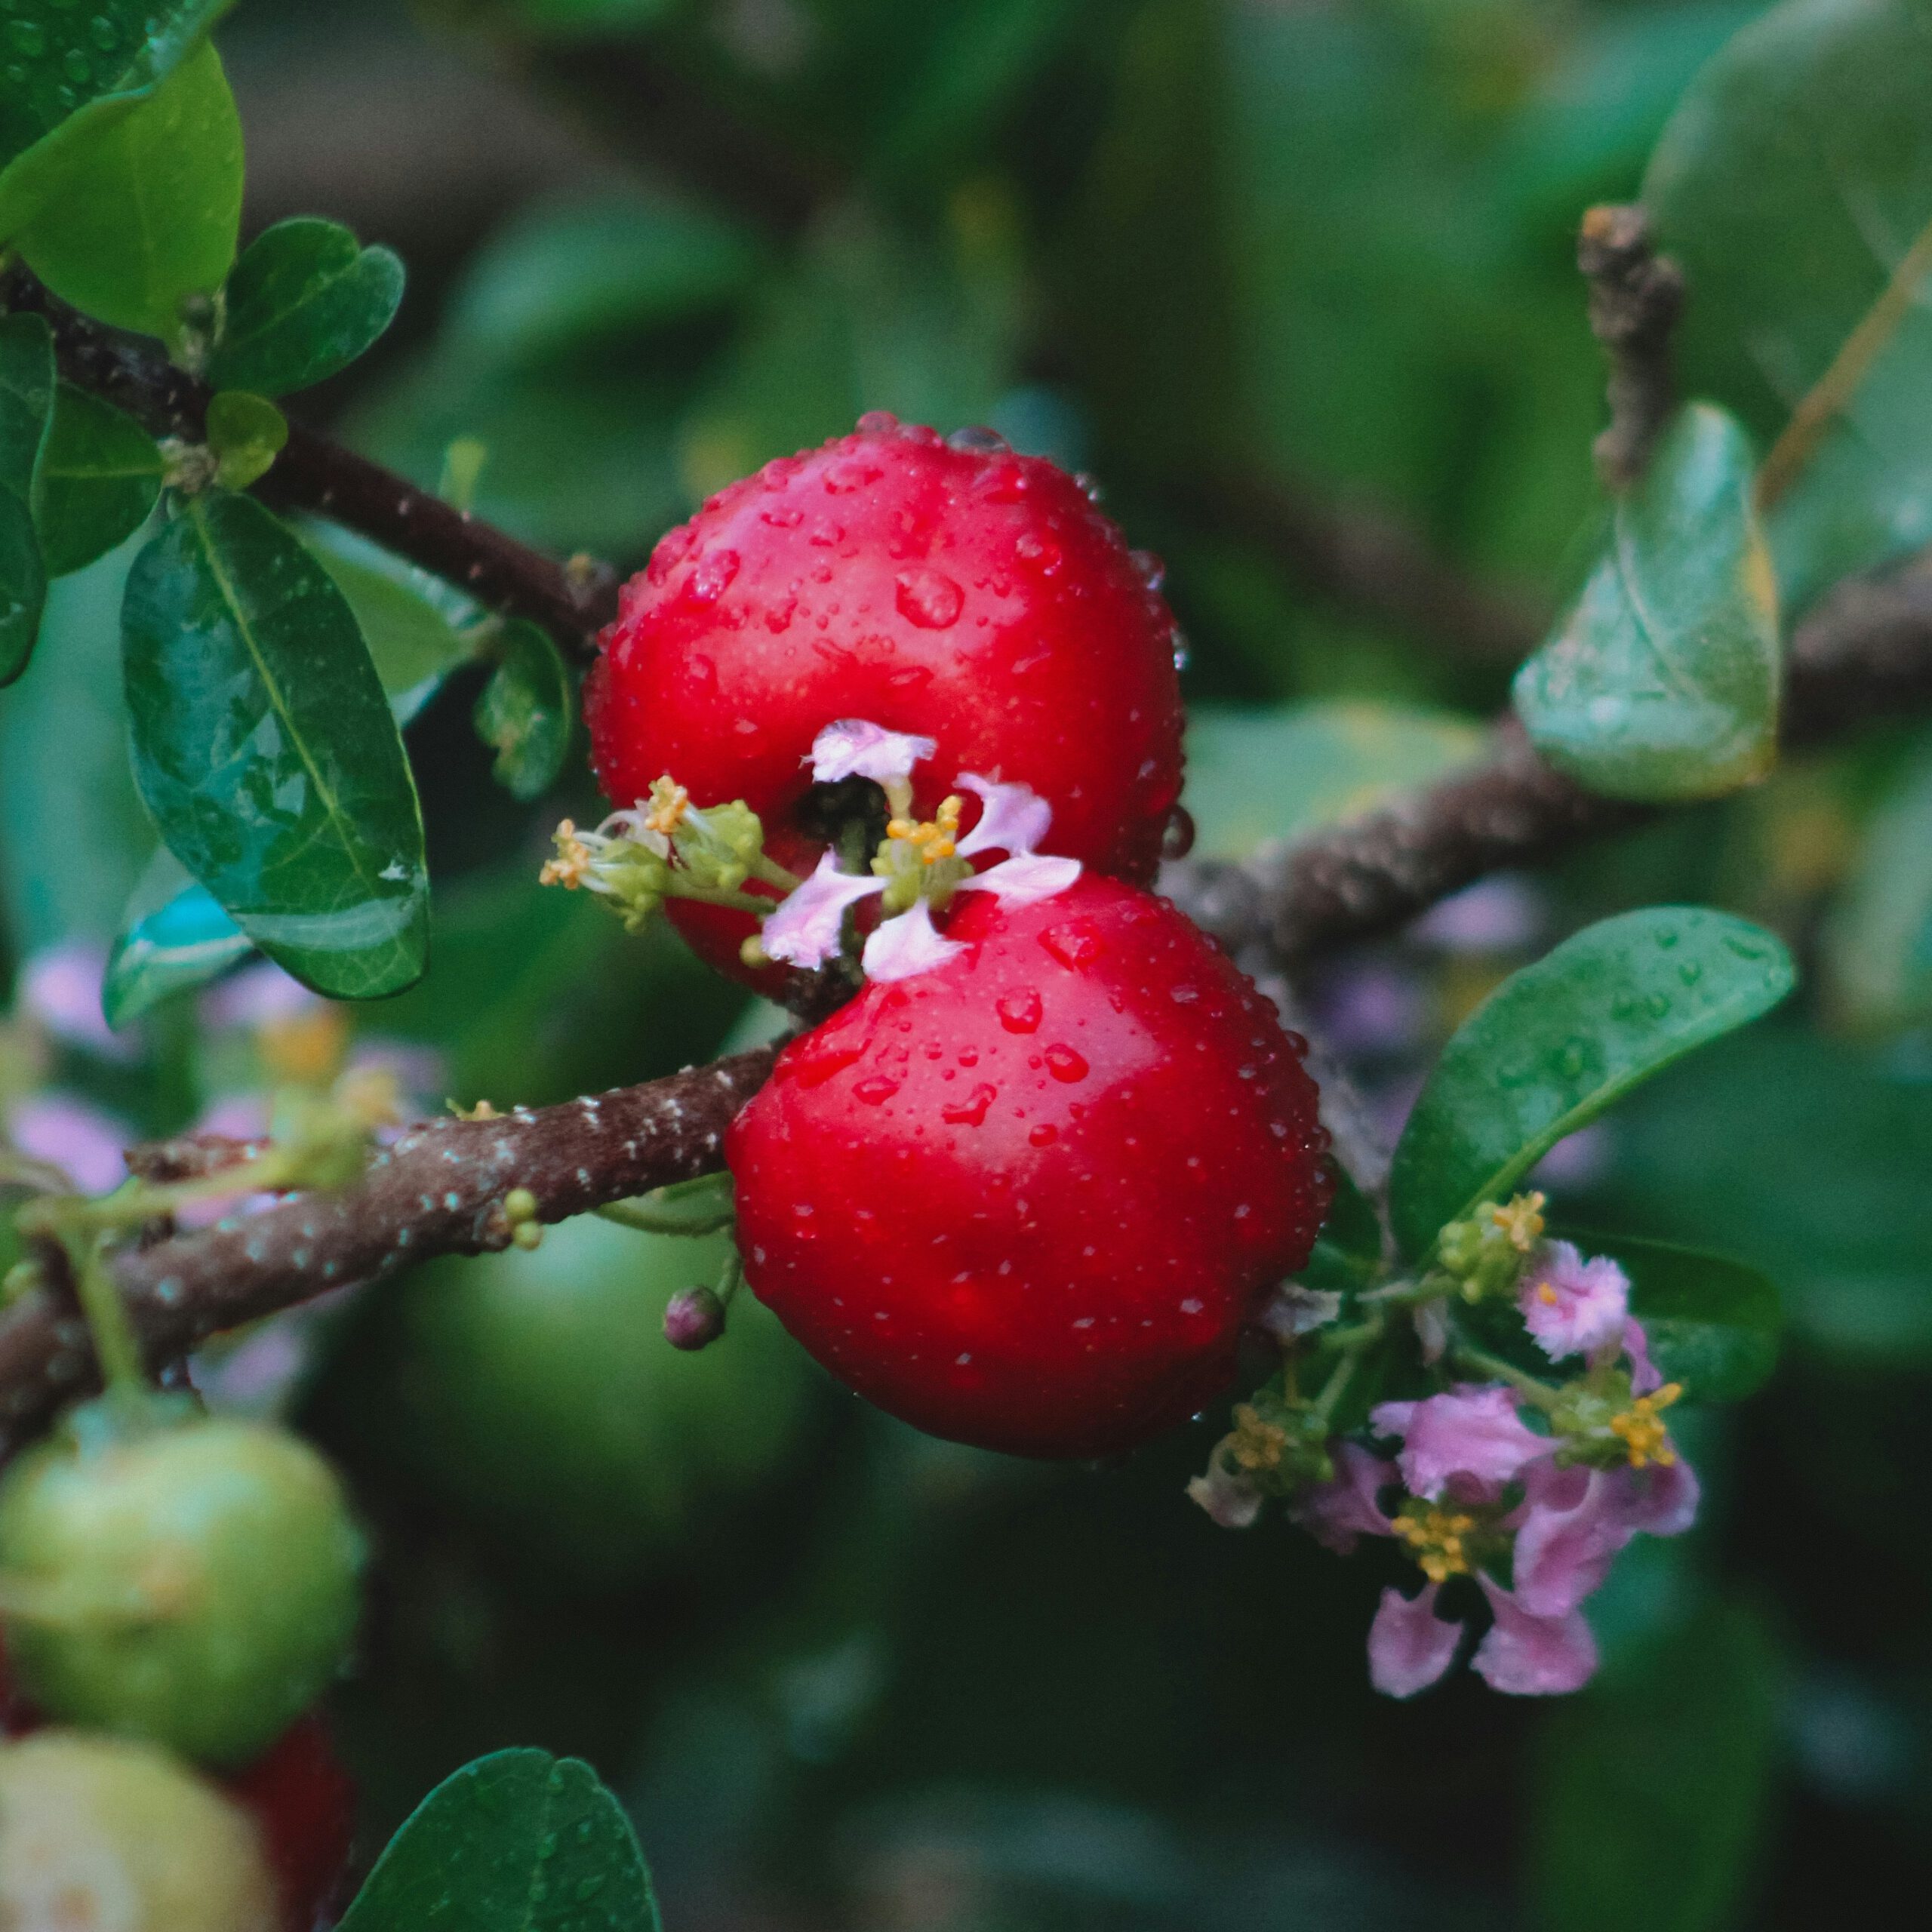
(1368, 560)
(572, 601)
(439, 1190)
(1635, 298)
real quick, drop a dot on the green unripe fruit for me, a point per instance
(536, 1392)
(101, 1833)
(194, 1583)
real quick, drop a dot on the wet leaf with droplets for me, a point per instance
(518, 1841)
(26, 402)
(1663, 681)
(1560, 1041)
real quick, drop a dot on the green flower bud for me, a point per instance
(98, 1831)
(193, 1583)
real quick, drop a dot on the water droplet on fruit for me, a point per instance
(1184, 650)
(1038, 553)
(1090, 486)
(977, 440)
(1018, 1012)
(971, 1111)
(1151, 571)
(928, 598)
(1178, 836)
(1183, 995)
(1044, 1135)
(875, 1089)
(1071, 945)
(878, 422)
(783, 516)
(1063, 1064)
(842, 479)
(815, 1068)
(712, 577)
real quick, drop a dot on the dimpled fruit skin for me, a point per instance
(101, 1834)
(977, 598)
(1028, 1199)
(238, 1533)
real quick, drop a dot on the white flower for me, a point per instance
(853, 748)
(804, 929)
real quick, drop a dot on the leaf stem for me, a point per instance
(1798, 441)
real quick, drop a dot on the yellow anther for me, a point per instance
(305, 1047)
(1256, 1444)
(1522, 1221)
(933, 839)
(670, 802)
(1545, 1294)
(1643, 1435)
(1435, 1534)
(572, 862)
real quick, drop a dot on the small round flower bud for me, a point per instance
(695, 1319)
(527, 1234)
(519, 1204)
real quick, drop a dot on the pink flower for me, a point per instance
(1472, 1430)
(853, 748)
(82, 1141)
(1573, 1306)
(1574, 1521)
(1523, 1655)
(61, 987)
(1409, 1646)
(1337, 1512)
(258, 995)
(805, 928)
(897, 949)
(1644, 1379)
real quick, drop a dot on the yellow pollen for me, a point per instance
(1256, 1444)
(1433, 1534)
(1546, 1294)
(935, 838)
(307, 1047)
(668, 804)
(572, 862)
(1522, 1221)
(1645, 1437)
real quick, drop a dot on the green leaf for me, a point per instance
(65, 787)
(1878, 941)
(264, 749)
(99, 475)
(1254, 776)
(1791, 184)
(409, 619)
(27, 401)
(143, 218)
(561, 280)
(1712, 1322)
(518, 1841)
(1564, 1038)
(306, 300)
(174, 938)
(69, 73)
(247, 433)
(1662, 682)
(527, 710)
(1650, 1789)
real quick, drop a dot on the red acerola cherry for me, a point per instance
(1029, 1199)
(304, 1801)
(962, 593)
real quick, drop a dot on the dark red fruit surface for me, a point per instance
(304, 1802)
(969, 596)
(1029, 1199)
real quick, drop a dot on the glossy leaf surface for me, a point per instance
(99, 477)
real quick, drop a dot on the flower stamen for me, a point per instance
(1644, 1437)
(1435, 1534)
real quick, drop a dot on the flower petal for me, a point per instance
(909, 944)
(1232, 1501)
(854, 749)
(1571, 1530)
(1471, 1431)
(803, 928)
(1570, 1304)
(1524, 1656)
(1021, 881)
(1336, 1512)
(1644, 1379)
(1660, 1499)
(81, 1141)
(1409, 1646)
(1012, 819)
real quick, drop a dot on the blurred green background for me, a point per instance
(1285, 275)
